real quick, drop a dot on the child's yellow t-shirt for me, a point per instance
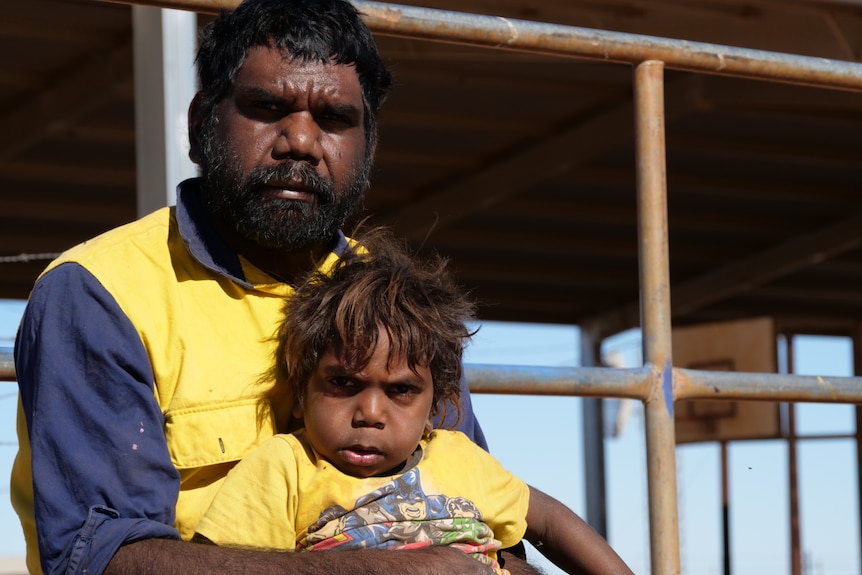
(282, 496)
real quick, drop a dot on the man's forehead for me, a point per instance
(274, 65)
(312, 83)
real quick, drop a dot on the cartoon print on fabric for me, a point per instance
(400, 515)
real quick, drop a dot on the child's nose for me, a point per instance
(370, 409)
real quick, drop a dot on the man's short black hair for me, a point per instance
(306, 30)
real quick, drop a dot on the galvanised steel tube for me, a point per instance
(506, 379)
(655, 316)
(540, 37)
(580, 381)
(202, 6)
(633, 383)
(577, 42)
(7, 364)
(696, 384)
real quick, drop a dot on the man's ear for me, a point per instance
(196, 122)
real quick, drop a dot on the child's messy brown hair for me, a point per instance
(377, 285)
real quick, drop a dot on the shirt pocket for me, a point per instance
(213, 434)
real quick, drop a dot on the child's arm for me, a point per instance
(564, 538)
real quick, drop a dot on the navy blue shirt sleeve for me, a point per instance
(467, 423)
(102, 474)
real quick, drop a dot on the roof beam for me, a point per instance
(743, 275)
(748, 273)
(514, 173)
(95, 176)
(76, 93)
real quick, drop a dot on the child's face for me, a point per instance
(367, 423)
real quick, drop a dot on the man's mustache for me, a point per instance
(294, 171)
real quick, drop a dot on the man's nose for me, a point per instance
(370, 409)
(298, 138)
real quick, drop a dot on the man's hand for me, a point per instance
(166, 557)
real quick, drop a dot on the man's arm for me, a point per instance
(166, 557)
(515, 565)
(102, 475)
(463, 420)
(564, 538)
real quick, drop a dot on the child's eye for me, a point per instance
(403, 389)
(340, 381)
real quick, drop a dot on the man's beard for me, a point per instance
(273, 222)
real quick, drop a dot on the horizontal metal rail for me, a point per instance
(695, 384)
(580, 381)
(633, 383)
(576, 42)
(7, 364)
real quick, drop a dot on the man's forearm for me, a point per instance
(517, 566)
(166, 557)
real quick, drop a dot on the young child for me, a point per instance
(369, 353)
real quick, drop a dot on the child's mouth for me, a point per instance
(361, 455)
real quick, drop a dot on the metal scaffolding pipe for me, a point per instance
(696, 384)
(572, 41)
(7, 364)
(580, 381)
(655, 316)
(633, 383)
(511, 379)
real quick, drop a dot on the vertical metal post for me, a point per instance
(793, 494)
(725, 508)
(164, 45)
(857, 370)
(594, 441)
(656, 316)
(793, 482)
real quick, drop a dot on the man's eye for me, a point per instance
(334, 122)
(263, 110)
(268, 106)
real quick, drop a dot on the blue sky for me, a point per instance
(540, 439)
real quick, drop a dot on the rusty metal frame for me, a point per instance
(657, 384)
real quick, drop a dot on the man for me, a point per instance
(141, 353)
